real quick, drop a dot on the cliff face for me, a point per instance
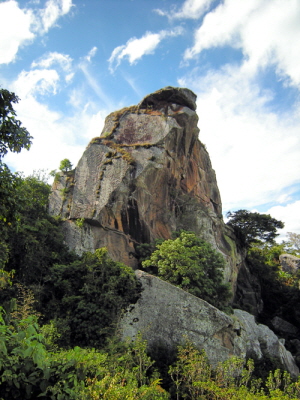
(166, 316)
(146, 176)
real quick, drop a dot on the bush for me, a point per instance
(86, 297)
(193, 265)
(29, 371)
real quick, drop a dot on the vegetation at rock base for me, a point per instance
(32, 368)
(193, 265)
(33, 238)
(86, 297)
(280, 290)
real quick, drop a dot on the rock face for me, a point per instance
(146, 176)
(166, 315)
(289, 263)
(261, 341)
(284, 327)
(248, 291)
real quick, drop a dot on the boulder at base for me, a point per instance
(166, 316)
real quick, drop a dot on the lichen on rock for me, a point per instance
(144, 177)
(166, 316)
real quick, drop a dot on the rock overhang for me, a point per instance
(170, 94)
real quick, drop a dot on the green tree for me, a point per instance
(65, 165)
(279, 291)
(34, 239)
(9, 208)
(193, 265)
(87, 296)
(253, 227)
(191, 366)
(293, 242)
(13, 137)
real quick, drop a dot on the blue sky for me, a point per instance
(72, 62)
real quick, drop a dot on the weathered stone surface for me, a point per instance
(169, 94)
(284, 327)
(146, 176)
(261, 341)
(248, 291)
(296, 350)
(289, 263)
(166, 315)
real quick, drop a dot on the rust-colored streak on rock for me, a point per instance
(146, 176)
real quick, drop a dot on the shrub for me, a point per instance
(193, 265)
(86, 297)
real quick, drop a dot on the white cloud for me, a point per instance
(42, 79)
(267, 32)
(132, 83)
(55, 136)
(20, 26)
(15, 30)
(193, 9)
(255, 152)
(135, 48)
(93, 82)
(289, 216)
(47, 17)
(38, 81)
(91, 54)
(64, 60)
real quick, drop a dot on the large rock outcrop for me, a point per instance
(166, 316)
(146, 176)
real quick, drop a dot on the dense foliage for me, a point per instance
(31, 369)
(279, 290)
(87, 296)
(13, 137)
(253, 227)
(193, 265)
(34, 238)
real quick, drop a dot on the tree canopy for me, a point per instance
(13, 137)
(193, 265)
(65, 165)
(86, 297)
(253, 227)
